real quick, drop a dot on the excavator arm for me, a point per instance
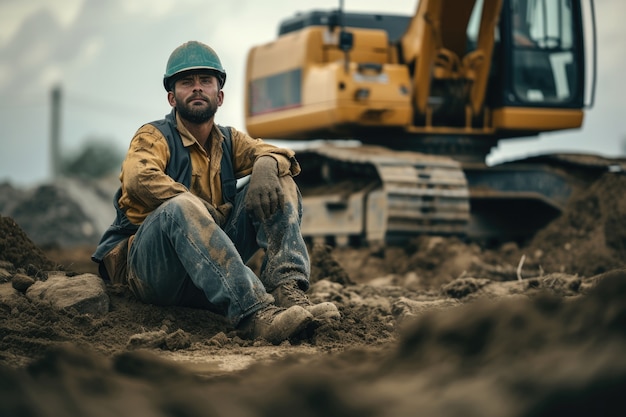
(435, 45)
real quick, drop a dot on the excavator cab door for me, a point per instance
(543, 50)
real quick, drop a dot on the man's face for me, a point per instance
(196, 97)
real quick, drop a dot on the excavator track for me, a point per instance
(373, 195)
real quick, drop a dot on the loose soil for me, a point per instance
(439, 327)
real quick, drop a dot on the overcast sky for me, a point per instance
(109, 58)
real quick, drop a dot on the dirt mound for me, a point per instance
(590, 236)
(52, 218)
(17, 248)
(66, 213)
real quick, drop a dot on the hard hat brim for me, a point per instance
(168, 80)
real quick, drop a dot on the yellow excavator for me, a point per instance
(401, 112)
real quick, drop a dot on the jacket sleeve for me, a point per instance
(145, 185)
(246, 150)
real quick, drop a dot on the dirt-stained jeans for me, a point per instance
(180, 256)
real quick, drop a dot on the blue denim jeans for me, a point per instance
(181, 256)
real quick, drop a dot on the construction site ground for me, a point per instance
(439, 326)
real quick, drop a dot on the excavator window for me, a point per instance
(546, 50)
(277, 92)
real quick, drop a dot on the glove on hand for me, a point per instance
(219, 214)
(265, 195)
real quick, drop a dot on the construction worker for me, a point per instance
(521, 30)
(183, 232)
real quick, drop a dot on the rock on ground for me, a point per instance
(85, 293)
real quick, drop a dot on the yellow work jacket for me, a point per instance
(145, 185)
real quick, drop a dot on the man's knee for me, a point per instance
(185, 204)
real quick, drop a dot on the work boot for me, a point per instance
(275, 324)
(289, 294)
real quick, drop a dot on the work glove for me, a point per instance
(265, 195)
(220, 214)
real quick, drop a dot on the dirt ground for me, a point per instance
(439, 327)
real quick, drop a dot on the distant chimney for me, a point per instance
(55, 132)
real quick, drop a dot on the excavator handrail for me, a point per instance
(594, 63)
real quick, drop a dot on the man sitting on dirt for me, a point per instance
(183, 232)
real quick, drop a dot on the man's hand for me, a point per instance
(265, 195)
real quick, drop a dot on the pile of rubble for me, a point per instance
(66, 212)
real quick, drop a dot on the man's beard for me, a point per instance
(195, 114)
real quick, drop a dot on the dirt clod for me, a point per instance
(22, 282)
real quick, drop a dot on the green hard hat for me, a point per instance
(193, 55)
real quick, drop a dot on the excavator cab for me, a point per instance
(541, 65)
